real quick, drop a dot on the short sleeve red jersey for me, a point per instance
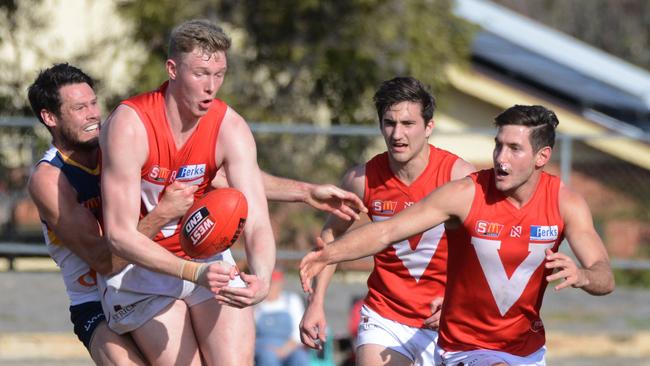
(408, 275)
(194, 163)
(496, 276)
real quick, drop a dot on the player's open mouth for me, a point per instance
(91, 127)
(399, 146)
(205, 104)
(501, 171)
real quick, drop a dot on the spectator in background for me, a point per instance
(276, 325)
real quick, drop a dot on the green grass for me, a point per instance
(632, 278)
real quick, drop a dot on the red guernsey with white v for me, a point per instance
(496, 277)
(408, 275)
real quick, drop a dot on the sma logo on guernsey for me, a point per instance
(491, 229)
(384, 207)
(159, 174)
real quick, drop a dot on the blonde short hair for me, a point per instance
(197, 33)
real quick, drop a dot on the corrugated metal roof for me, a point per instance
(557, 46)
(503, 95)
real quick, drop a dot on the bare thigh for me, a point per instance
(226, 335)
(168, 338)
(376, 355)
(110, 348)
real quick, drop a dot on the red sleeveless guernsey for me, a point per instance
(194, 163)
(496, 276)
(409, 274)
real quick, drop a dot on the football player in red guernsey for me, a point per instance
(409, 276)
(65, 188)
(504, 226)
(181, 134)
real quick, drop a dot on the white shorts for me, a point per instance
(418, 344)
(483, 357)
(135, 295)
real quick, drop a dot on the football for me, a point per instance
(213, 223)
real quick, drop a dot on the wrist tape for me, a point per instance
(190, 270)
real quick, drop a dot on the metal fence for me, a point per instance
(617, 190)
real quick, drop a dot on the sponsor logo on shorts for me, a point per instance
(543, 233)
(189, 172)
(368, 326)
(93, 320)
(384, 207)
(199, 225)
(491, 229)
(122, 312)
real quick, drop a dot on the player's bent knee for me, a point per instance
(110, 348)
(374, 354)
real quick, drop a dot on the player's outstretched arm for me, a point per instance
(236, 151)
(451, 200)
(313, 324)
(324, 197)
(594, 275)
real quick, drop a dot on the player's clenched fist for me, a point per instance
(240, 297)
(177, 198)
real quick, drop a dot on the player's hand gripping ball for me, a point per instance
(213, 223)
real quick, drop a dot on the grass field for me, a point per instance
(581, 329)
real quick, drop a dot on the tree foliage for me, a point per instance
(314, 60)
(311, 61)
(34, 34)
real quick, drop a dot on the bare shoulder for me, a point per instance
(122, 115)
(51, 191)
(354, 180)
(123, 138)
(123, 122)
(571, 202)
(43, 181)
(234, 122)
(235, 143)
(461, 169)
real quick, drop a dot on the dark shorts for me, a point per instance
(85, 318)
